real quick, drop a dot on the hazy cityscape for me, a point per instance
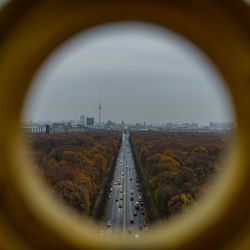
(86, 123)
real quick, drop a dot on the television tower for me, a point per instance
(100, 108)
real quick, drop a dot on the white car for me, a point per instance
(108, 223)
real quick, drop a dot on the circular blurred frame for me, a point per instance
(30, 31)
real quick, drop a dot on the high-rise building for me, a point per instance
(82, 119)
(100, 108)
(47, 128)
(90, 121)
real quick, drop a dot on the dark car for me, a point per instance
(135, 214)
(131, 221)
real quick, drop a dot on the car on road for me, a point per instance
(131, 221)
(142, 212)
(144, 223)
(131, 191)
(130, 178)
(131, 198)
(137, 205)
(110, 195)
(121, 191)
(135, 214)
(116, 199)
(108, 223)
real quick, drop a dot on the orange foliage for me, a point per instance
(75, 164)
(178, 165)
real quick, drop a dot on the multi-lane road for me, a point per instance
(125, 208)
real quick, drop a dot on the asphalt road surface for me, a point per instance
(124, 194)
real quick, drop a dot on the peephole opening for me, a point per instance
(128, 125)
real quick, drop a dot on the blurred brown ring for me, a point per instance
(31, 30)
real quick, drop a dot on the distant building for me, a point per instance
(221, 125)
(194, 125)
(61, 128)
(82, 119)
(214, 125)
(34, 129)
(170, 125)
(47, 128)
(79, 125)
(184, 126)
(109, 123)
(227, 125)
(90, 121)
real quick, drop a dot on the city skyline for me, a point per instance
(137, 73)
(96, 122)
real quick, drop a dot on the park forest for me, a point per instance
(179, 166)
(75, 164)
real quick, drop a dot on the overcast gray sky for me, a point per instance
(139, 74)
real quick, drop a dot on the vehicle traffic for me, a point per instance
(125, 207)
